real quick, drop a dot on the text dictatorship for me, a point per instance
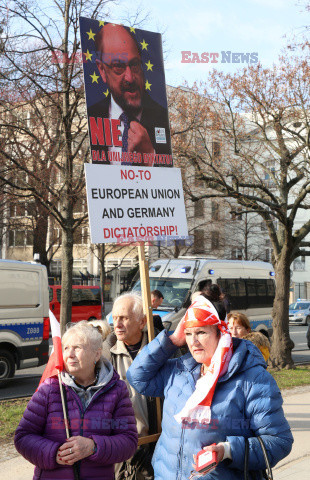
(127, 233)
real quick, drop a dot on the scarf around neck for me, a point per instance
(198, 405)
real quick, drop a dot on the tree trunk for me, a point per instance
(66, 277)
(282, 345)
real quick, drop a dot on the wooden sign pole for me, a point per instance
(146, 291)
(147, 307)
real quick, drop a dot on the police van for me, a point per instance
(249, 286)
(24, 320)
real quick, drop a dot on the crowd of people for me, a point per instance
(217, 397)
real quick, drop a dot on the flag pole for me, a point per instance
(64, 406)
(67, 427)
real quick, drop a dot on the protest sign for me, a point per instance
(128, 205)
(125, 95)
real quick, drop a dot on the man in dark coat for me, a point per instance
(138, 123)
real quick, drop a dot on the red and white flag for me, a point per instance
(55, 363)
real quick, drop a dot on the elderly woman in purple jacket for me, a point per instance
(100, 414)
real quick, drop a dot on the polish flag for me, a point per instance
(55, 363)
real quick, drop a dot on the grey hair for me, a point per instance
(85, 332)
(137, 308)
(102, 326)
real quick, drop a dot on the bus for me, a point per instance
(249, 286)
(86, 302)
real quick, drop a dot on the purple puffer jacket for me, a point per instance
(109, 420)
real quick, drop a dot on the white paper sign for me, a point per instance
(137, 204)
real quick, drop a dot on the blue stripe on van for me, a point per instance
(26, 331)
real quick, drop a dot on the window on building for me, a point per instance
(263, 226)
(215, 211)
(79, 206)
(80, 236)
(31, 209)
(198, 181)
(29, 238)
(55, 267)
(17, 238)
(199, 208)
(299, 264)
(216, 152)
(269, 174)
(56, 236)
(17, 209)
(198, 241)
(236, 253)
(236, 214)
(215, 240)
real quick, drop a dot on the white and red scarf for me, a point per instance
(198, 407)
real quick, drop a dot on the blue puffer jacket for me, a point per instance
(246, 403)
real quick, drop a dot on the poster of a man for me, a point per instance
(127, 115)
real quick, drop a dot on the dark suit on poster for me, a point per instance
(153, 115)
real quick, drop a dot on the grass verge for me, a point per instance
(11, 412)
(296, 377)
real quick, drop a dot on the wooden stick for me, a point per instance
(63, 406)
(147, 307)
(148, 439)
(146, 291)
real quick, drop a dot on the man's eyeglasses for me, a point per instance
(119, 67)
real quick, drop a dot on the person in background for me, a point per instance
(261, 342)
(102, 326)
(156, 300)
(238, 324)
(214, 294)
(215, 397)
(100, 415)
(121, 348)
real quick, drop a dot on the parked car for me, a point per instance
(308, 336)
(24, 320)
(299, 312)
(86, 302)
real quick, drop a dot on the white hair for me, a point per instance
(137, 304)
(102, 326)
(86, 332)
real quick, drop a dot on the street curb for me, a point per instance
(286, 392)
(290, 463)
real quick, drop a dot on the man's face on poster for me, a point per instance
(121, 68)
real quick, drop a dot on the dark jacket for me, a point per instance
(246, 403)
(108, 419)
(153, 115)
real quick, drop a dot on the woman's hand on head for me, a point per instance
(74, 449)
(178, 336)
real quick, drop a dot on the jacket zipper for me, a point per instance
(79, 404)
(180, 460)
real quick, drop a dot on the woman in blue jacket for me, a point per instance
(220, 393)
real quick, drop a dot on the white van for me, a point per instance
(24, 320)
(249, 286)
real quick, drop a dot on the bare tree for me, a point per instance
(50, 140)
(250, 142)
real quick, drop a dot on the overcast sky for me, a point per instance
(199, 26)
